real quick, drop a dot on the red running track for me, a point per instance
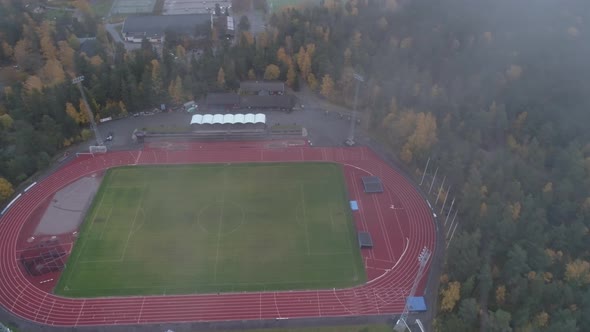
(399, 220)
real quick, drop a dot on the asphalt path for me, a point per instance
(323, 130)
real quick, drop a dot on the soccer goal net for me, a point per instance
(98, 149)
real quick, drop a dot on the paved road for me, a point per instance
(322, 130)
(111, 28)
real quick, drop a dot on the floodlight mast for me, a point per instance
(78, 81)
(423, 258)
(358, 79)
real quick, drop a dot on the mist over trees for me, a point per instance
(495, 92)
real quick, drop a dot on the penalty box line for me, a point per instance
(129, 233)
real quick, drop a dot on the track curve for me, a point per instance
(399, 220)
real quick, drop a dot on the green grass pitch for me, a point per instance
(215, 228)
(278, 4)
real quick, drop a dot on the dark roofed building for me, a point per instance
(262, 87)
(222, 101)
(153, 27)
(267, 102)
(89, 47)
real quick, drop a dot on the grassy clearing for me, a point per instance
(215, 228)
(278, 4)
(101, 7)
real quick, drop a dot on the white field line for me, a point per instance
(305, 220)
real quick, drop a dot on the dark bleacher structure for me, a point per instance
(45, 257)
(262, 88)
(372, 184)
(365, 240)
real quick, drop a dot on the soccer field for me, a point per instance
(215, 228)
(278, 4)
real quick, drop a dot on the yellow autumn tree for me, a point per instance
(247, 39)
(514, 72)
(327, 89)
(406, 154)
(357, 37)
(96, 60)
(45, 32)
(52, 73)
(272, 72)
(251, 74)
(450, 296)
(84, 7)
(221, 77)
(483, 209)
(312, 82)
(406, 43)
(347, 56)
(6, 120)
(310, 50)
(501, 294)
(304, 57)
(122, 107)
(66, 56)
(72, 112)
(578, 272)
(548, 187)
(6, 189)
(262, 40)
(180, 52)
(83, 114)
(424, 135)
(157, 84)
(541, 319)
(283, 57)
(176, 90)
(33, 83)
(7, 49)
(515, 210)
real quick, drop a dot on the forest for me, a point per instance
(494, 92)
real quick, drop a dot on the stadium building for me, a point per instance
(218, 102)
(224, 102)
(273, 102)
(262, 88)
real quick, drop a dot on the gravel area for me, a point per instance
(68, 207)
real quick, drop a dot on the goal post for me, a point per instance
(98, 149)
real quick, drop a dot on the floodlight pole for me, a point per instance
(445, 201)
(433, 179)
(425, 170)
(450, 210)
(439, 190)
(358, 79)
(401, 324)
(78, 81)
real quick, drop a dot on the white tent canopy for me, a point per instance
(228, 118)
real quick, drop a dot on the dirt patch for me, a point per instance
(68, 207)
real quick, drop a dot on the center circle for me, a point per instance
(221, 218)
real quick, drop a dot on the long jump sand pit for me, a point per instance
(68, 207)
